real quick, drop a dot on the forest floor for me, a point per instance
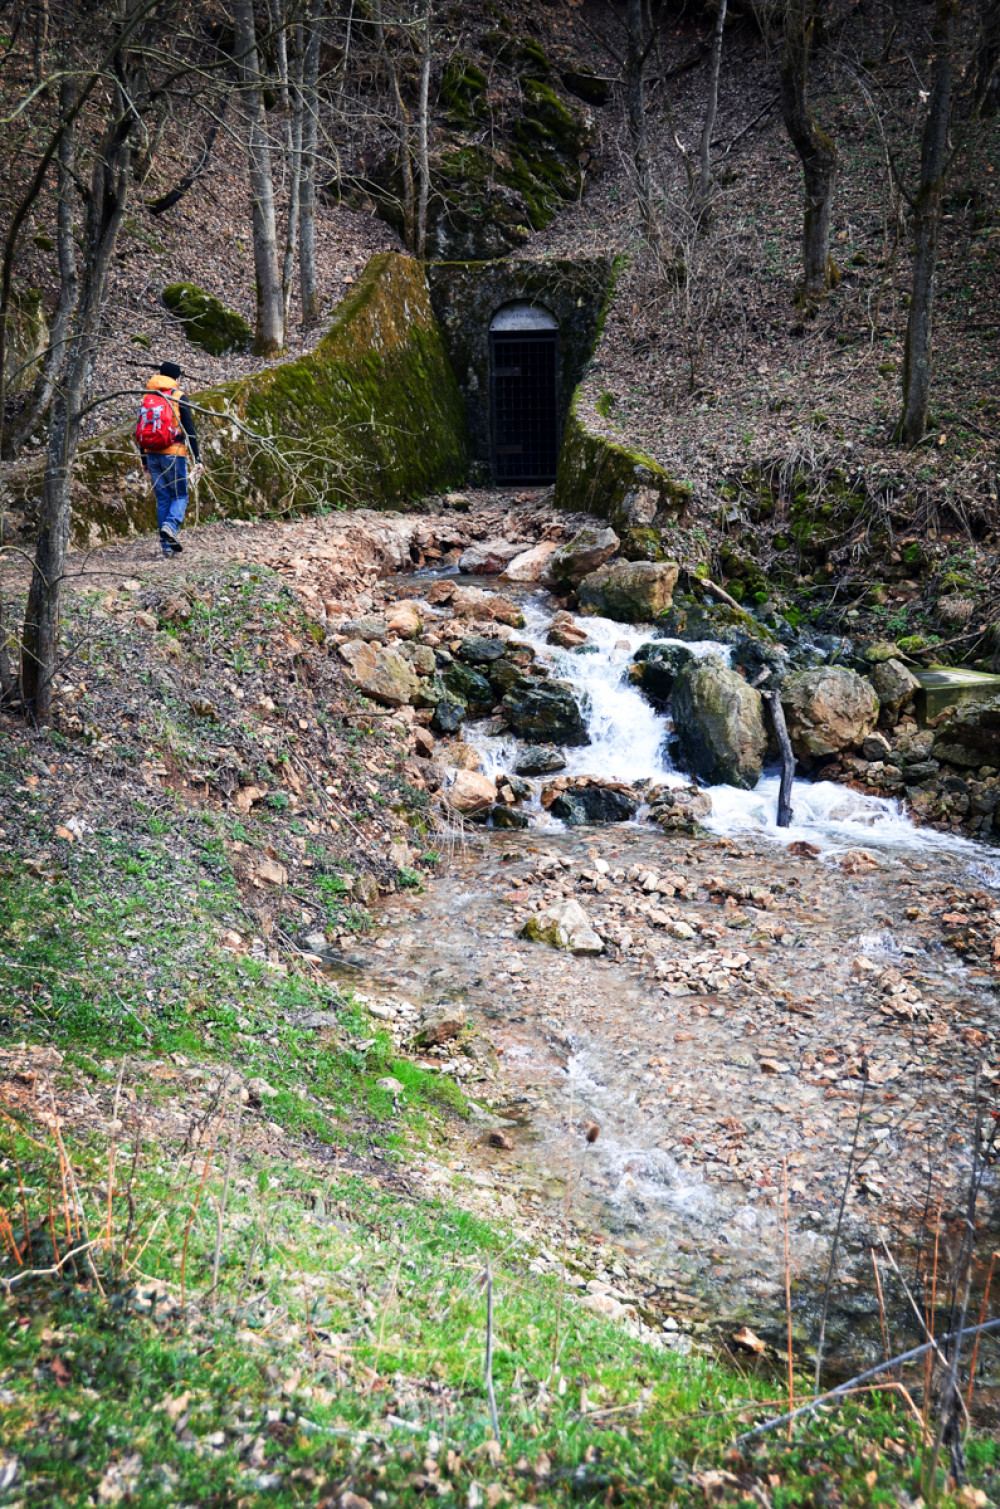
(276, 1238)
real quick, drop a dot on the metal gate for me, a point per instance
(523, 367)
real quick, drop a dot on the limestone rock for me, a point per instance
(546, 712)
(720, 724)
(679, 809)
(439, 1024)
(594, 804)
(473, 602)
(381, 674)
(971, 735)
(566, 632)
(588, 549)
(828, 710)
(404, 620)
(564, 924)
(530, 564)
(629, 591)
(537, 760)
(480, 649)
(894, 684)
(489, 558)
(471, 793)
(660, 664)
(457, 755)
(424, 742)
(366, 628)
(876, 747)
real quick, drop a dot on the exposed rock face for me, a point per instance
(659, 666)
(894, 684)
(971, 736)
(530, 565)
(629, 591)
(489, 558)
(720, 724)
(537, 760)
(564, 925)
(594, 804)
(471, 793)
(827, 710)
(381, 674)
(587, 550)
(545, 711)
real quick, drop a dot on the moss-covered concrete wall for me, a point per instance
(373, 415)
(466, 295)
(624, 486)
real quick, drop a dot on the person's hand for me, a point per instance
(196, 473)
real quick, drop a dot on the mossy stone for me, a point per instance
(207, 321)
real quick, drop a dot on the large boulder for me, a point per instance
(719, 721)
(470, 793)
(828, 710)
(531, 564)
(629, 591)
(593, 804)
(381, 674)
(587, 550)
(489, 557)
(659, 665)
(479, 649)
(894, 684)
(563, 925)
(473, 689)
(546, 712)
(970, 736)
(537, 760)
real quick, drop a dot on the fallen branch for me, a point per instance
(720, 594)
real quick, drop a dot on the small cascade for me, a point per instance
(629, 743)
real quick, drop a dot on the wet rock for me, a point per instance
(894, 685)
(566, 632)
(507, 817)
(470, 687)
(564, 924)
(587, 550)
(546, 712)
(489, 557)
(536, 759)
(530, 565)
(660, 664)
(754, 657)
(457, 755)
(439, 1024)
(449, 713)
(472, 602)
(381, 674)
(470, 793)
(505, 674)
(827, 710)
(720, 724)
(478, 649)
(970, 736)
(680, 810)
(420, 656)
(594, 804)
(629, 591)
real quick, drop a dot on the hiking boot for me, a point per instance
(169, 540)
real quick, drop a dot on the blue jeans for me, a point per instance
(170, 483)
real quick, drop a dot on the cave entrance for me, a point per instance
(524, 362)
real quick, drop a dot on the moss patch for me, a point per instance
(598, 476)
(370, 417)
(207, 321)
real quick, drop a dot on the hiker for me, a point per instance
(164, 434)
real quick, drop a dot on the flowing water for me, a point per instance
(715, 1080)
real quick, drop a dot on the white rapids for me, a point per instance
(629, 744)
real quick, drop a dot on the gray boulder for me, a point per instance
(587, 550)
(894, 684)
(828, 710)
(537, 760)
(381, 674)
(971, 735)
(594, 804)
(660, 663)
(546, 712)
(719, 721)
(629, 591)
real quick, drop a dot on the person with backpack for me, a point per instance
(165, 434)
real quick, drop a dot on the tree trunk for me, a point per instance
(986, 67)
(105, 209)
(270, 335)
(926, 225)
(635, 113)
(403, 119)
(290, 97)
(817, 150)
(423, 126)
(55, 356)
(307, 194)
(784, 813)
(712, 108)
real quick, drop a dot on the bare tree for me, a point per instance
(816, 148)
(423, 131)
(711, 109)
(270, 332)
(637, 46)
(926, 206)
(307, 194)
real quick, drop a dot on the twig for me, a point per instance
(8, 1283)
(494, 1417)
(836, 1234)
(720, 594)
(788, 1296)
(221, 1208)
(881, 1367)
(881, 1302)
(982, 1316)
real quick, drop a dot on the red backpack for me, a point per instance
(156, 428)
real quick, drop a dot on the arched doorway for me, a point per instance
(524, 355)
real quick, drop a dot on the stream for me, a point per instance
(721, 1043)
